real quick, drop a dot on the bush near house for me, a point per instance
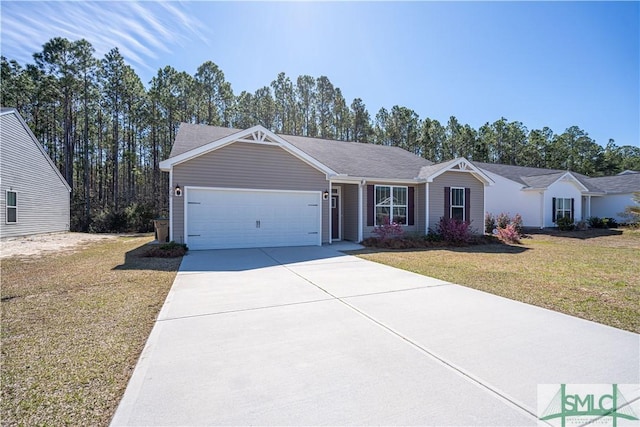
(448, 233)
(507, 229)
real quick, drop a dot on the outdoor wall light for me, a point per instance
(325, 195)
(177, 191)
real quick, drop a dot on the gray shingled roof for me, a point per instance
(627, 183)
(348, 158)
(429, 170)
(6, 110)
(360, 159)
(535, 177)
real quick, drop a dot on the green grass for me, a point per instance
(73, 327)
(594, 275)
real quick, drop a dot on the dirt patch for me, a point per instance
(40, 244)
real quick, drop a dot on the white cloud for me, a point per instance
(140, 30)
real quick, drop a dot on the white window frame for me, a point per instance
(565, 210)
(391, 205)
(452, 206)
(7, 207)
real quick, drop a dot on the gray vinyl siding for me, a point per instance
(247, 165)
(350, 212)
(42, 195)
(367, 232)
(456, 179)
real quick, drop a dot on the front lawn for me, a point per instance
(593, 274)
(73, 327)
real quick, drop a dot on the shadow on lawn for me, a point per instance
(591, 233)
(135, 260)
(494, 248)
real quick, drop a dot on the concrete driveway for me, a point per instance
(310, 336)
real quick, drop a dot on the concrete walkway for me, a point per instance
(310, 336)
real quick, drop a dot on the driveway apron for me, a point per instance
(311, 336)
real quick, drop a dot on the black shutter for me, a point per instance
(447, 202)
(553, 210)
(371, 205)
(410, 205)
(467, 205)
(572, 217)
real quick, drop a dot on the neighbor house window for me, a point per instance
(457, 204)
(12, 207)
(391, 204)
(563, 208)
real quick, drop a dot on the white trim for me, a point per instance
(465, 166)
(391, 205)
(573, 178)
(426, 210)
(360, 211)
(166, 165)
(253, 190)
(330, 216)
(171, 239)
(340, 210)
(7, 207)
(464, 202)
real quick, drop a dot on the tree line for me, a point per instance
(107, 132)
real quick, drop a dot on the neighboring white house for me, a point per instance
(541, 196)
(619, 194)
(34, 196)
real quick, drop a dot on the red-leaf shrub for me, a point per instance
(388, 230)
(509, 234)
(453, 230)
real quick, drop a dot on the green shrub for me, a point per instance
(565, 224)
(489, 223)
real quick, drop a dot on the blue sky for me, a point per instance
(555, 64)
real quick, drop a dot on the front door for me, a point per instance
(335, 217)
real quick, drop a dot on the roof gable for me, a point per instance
(460, 164)
(7, 111)
(538, 178)
(338, 158)
(189, 144)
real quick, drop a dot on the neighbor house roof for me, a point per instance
(352, 159)
(531, 177)
(627, 183)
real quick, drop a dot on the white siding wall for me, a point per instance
(611, 206)
(564, 189)
(43, 198)
(507, 196)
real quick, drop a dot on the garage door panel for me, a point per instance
(240, 219)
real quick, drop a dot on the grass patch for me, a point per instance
(73, 327)
(593, 274)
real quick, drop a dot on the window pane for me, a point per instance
(11, 198)
(400, 215)
(399, 196)
(457, 197)
(457, 213)
(383, 196)
(12, 215)
(382, 215)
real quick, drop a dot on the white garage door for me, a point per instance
(221, 218)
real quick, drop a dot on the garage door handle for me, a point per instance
(193, 235)
(193, 203)
(313, 232)
(257, 224)
(314, 204)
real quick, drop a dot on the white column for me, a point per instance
(360, 210)
(426, 208)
